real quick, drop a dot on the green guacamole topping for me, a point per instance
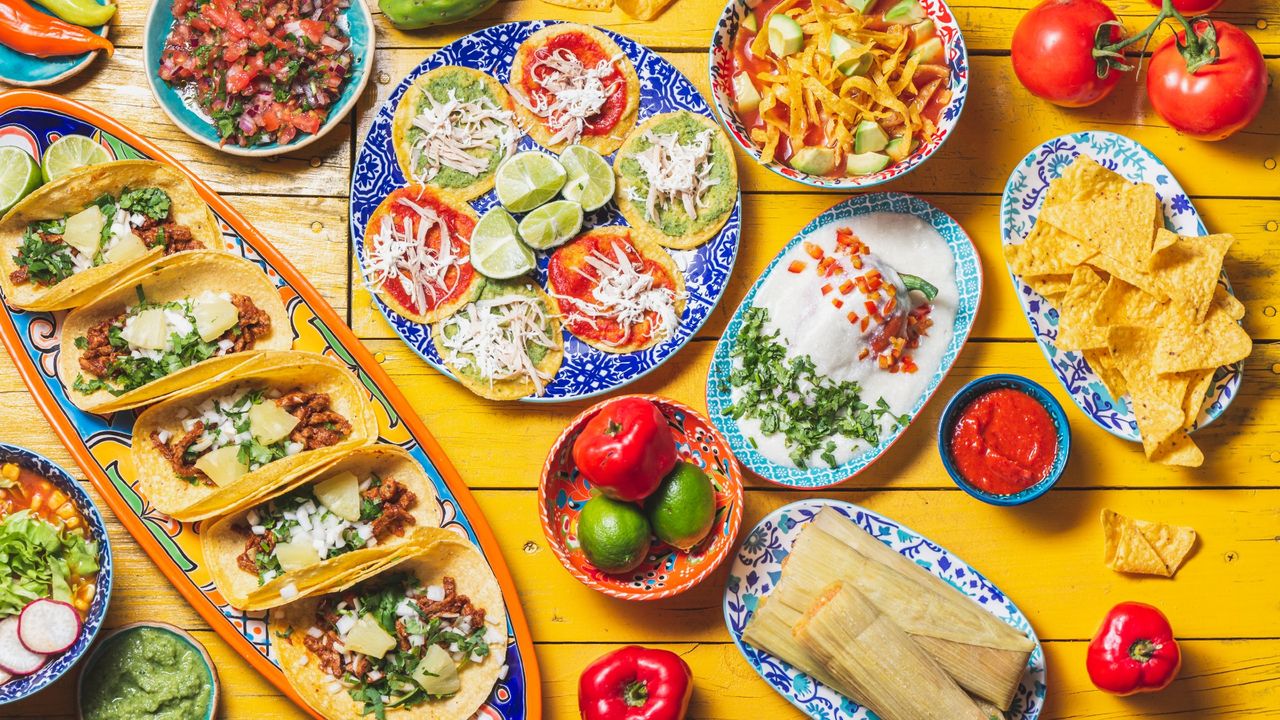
(489, 290)
(718, 199)
(466, 88)
(147, 673)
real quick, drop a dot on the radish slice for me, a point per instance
(48, 626)
(14, 658)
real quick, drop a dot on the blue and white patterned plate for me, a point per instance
(1023, 195)
(586, 371)
(758, 567)
(968, 285)
(21, 687)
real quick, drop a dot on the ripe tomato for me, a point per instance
(1220, 97)
(1190, 7)
(1053, 52)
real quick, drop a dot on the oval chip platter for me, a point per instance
(1023, 196)
(101, 444)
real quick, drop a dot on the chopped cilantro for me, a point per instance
(150, 201)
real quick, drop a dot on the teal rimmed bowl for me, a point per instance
(186, 637)
(25, 70)
(193, 121)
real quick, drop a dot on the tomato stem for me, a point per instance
(1200, 49)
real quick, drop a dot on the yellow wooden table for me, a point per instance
(1224, 605)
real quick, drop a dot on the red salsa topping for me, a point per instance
(590, 54)
(1004, 442)
(457, 279)
(569, 275)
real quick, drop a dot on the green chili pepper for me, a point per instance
(919, 284)
(414, 14)
(80, 12)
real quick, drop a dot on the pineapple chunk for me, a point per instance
(148, 330)
(341, 494)
(214, 316)
(368, 638)
(223, 465)
(128, 247)
(296, 554)
(84, 230)
(436, 674)
(270, 423)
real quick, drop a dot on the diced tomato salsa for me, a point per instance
(262, 71)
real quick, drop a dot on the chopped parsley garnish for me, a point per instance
(152, 202)
(47, 263)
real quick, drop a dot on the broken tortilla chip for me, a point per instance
(1076, 329)
(1100, 360)
(1139, 546)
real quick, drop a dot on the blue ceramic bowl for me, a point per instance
(21, 687)
(984, 385)
(30, 71)
(211, 672)
(193, 121)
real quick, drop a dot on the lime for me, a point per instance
(590, 182)
(19, 175)
(528, 179)
(551, 225)
(683, 507)
(496, 250)
(69, 153)
(614, 534)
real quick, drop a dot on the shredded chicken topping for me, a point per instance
(462, 135)
(574, 92)
(676, 172)
(492, 337)
(625, 294)
(400, 254)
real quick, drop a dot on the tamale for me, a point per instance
(864, 649)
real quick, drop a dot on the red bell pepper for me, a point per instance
(1134, 651)
(626, 449)
(635, 683)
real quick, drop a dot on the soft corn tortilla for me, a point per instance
(452, 557)
(403, 122)
(536, 126)
(76, 191)
(184, 275)
(284, 371)
(224, 541)
(634, 211)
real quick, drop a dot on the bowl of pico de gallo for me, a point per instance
(258, 77)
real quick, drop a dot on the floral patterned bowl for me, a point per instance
(666, 571)
(721, 66)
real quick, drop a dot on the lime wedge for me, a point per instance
(590, 182)
(19, 175)
(69, 153)
(496, 250)
(552, 224)
(527, 180)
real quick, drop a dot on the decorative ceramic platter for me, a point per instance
(1018, 209)
(29, 71)
(968, 284)
(586, 371)
(721, 67)
(33, 120)
(759, 565)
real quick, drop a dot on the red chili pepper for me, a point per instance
(1134, 651)
(626, 449)
(635, 683)
(30, 31)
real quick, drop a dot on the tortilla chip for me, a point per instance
(1083, 179)
(1218, 341)
(1124, 304)
(1229, 303)
(1120, 222)
(1049, 286)
(1047, 251)
(1130, 273)
(1139, 546)
(1100, 360)
(1198, 384)
(643, 9)
(603, 5)
(1157, 399)
(1188, 269)
(1076, 328)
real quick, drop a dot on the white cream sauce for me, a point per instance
(810, 325)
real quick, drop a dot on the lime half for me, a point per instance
(552, 224)
(527, 180)
(69, 153)
(590, 182)
(19, 175)
(496, 250)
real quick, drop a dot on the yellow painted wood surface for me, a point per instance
(1225, 604)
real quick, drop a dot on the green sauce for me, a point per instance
(147, 673)
(466, 88)
(719, 198)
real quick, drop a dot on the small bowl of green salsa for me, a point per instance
(151, 670)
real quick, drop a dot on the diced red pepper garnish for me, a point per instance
(874, 280)
(909, 365)
(846, 287)
(826, 288)
(853, 317)
(856, 262)
(865, 352)
(871, 308)
(866, 322)
(891, 290)
(885, 362)
(814, 251)
(827, 266)
(861, 282)
(837, 302)
(796, 266)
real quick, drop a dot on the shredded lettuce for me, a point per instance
(38, 560)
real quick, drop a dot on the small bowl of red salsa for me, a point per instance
(1004, 439)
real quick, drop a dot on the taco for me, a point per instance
(167, 327)
(451, 130)
(572, 84)
(417, 253)
(504, 345)
(232, 440)
(677, 179)
(82, 232)
(424, 638)
(617, 290)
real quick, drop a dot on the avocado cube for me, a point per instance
(745, 95)
(785, 35)
(814, 160)
(840, 45)
(860, 5)
(869, 137)
(905, 12)
(866, 163)
(930, 53)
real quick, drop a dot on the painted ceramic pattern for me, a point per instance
(758, 568)
(586, 371)
(21, 687)
(176, 544)
(968, 285)
(1018, 210)
(721, 70)
(666, 571)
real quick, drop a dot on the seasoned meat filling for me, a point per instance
(318, 426)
